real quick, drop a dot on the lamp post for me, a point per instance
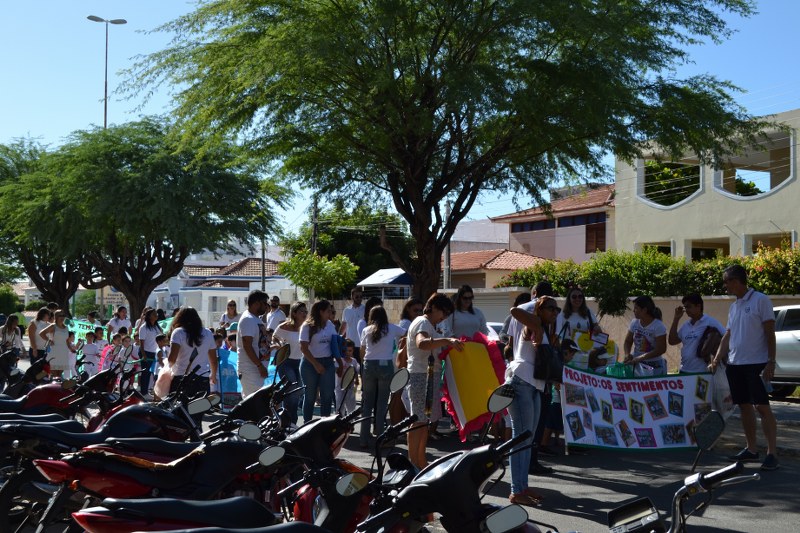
(94, 18)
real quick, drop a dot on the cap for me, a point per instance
(234, 326)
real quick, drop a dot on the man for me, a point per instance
(276, 316)
(694, 333)
(515, 339)
(252, 343)
(119, 321)
(350, 317)
(749, 345)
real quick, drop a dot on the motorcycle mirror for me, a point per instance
(399, 380)
(506, 519)
(349, 484)
(709, 430)
(198, 406)
(281, 355)
(270, 456)
(348, 376)
(214, 398)
(68, 384)
(500, 398)
(249, 432)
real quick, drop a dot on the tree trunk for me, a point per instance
(56, 283)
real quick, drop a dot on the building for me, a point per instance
(472, 235)
(749, 199)
(485, 268)
(579, 223)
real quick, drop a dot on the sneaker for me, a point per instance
(770, 463)
(744, 456)
(540, 470)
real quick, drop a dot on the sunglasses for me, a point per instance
(468, 297)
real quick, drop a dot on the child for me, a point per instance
(100, 340)
(109, 354)
(161, 354)
(91, 355)
(131, 347)
(73, 355)
(553, 423)
(347, 360)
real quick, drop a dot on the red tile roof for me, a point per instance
(589, 198)
(492, 260)
(201, 270)
(250, 267)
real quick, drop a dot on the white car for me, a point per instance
(494, 330)
(787, 336)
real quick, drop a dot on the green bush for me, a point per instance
(8, 299)
(35, 305)
(612, 277)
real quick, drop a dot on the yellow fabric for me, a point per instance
(475, 378)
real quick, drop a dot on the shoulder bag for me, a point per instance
(549, 362)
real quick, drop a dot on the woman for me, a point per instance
(467, 320)
(576, 316)
(192, 345)
(423, 342)
(58, 334)
(647, 335)
(10, 337)
(140, 320)
(316, 367)
(230, 315)
(525, 409)
(377, 353)
(400, 404)
(288, 332)
(373, 301)
(38, 348)
(148, 330)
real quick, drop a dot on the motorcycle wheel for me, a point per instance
(14, 505)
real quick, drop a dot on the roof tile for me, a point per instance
(591, 197)
(500, 259)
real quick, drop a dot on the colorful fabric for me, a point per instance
(470, 377)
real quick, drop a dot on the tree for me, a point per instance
(131, 205)
(669, 183)
(85, 303)
(326, 277)
(354, 233)
(420, 102)
(8, 299)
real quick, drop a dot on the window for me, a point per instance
(596, 238)
(536, 225)
(581, 220)
(791, 320)
(760, 169)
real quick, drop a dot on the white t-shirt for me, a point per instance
(690, 335)
(574, 323)
(352, 315)
(275, 318)
(226, 320)
(466, 324)
(515, 327)
(115, 324)
(746, 317)
(644, 337)
(418, 358)
(524, 356)
(147, 337)
(383, 350)
(91, 354)
(337, 362)
(320, 344)
(292, 338)
(207, 344)
(251, 325)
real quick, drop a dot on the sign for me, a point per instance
(81, 327)
(636, 413)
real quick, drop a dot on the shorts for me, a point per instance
(417, 391)
(746, 384)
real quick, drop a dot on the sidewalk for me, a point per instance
(788, 432)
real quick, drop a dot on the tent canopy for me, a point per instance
(387, 277)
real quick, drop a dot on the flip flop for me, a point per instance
(524, 499)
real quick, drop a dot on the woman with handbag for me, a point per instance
(191, 345)
(316, 367)
(525, 409)
(288, 332)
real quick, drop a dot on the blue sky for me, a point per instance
(52, 66)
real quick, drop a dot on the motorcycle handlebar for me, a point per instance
(710, 481)
(519, 439)
(352, 416)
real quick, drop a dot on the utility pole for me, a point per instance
(446, 273)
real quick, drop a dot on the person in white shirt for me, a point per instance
(467, 319)
(91, 355)
(749, 345)
(148, 330)
(646, 341)
(230, 315)
(316, 368)
(252, 343)
(289, 333)
(119, 321)
(351, 315)
(692, 333)
(346, 399)
(276, 316)
(192, 345)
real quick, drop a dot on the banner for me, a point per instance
(229, 386)
(636, 413)
(81, 327)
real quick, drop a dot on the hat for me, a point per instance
(233, 326)
(569, 344)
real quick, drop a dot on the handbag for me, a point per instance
(548, 364)
(709, 343)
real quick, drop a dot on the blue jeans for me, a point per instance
(524, 411)
(323, 382)
(290, 369)
(375, 388)
(147, 363)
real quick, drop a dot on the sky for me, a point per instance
(53, 63)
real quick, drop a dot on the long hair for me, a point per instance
(315, 316)
(460, 294)
(379, 322)
(188, 319)
(647, 303)
(372, 301)
(12, 324)
(549, 328)
(440, 302)
(582, 310)
(41, 313)
(293, 310)
(411, 302)
(150, 313)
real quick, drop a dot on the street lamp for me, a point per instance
(105, 86)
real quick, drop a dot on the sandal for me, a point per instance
(522, 498)
(532, 493)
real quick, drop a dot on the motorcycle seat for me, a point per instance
(8, 418)
(12, 406)
(152, 445)
(48, 432)
(238, 512)
(69, 426)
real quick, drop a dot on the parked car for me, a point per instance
(494, 330)
(787, 336)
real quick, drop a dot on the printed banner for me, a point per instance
(635, 413)
(229, 387)
(81, 327)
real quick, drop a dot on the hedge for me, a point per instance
(611, 277)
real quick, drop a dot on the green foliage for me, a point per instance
(35, 305)
(8, 299)
(85, 303)
(562, 274)
(422, 102)
(669, 183)
(10, 273)
(746, 188)
(326, 277)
